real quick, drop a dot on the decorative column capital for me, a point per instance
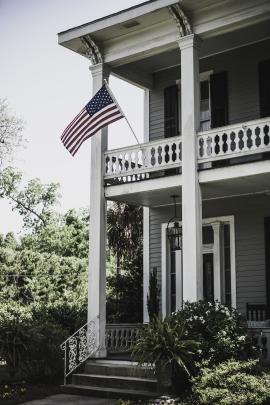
(90, 50)
(182, 21)
(100, 69)
(189, 41)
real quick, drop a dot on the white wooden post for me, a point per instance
(146, 268)
(97, 240)
(191, 193)
(217, 261)
(146, 219)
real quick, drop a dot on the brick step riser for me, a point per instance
(114, 383)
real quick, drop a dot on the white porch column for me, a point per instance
(146, 218)
(97, 240)
(217, 261)
(146, 268)
(191, 194)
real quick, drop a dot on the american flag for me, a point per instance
(98, 113)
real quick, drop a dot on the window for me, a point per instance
(227, 265)
(205, 110)
(264, 88)
(219, 99)
(208, 262)
(213, 101)
(171, 122)
(173, 281)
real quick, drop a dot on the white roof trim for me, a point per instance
(114, 19)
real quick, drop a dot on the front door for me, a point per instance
(218, 273)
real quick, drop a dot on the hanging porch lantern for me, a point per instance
(174, 231)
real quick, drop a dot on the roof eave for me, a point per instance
(113, 19)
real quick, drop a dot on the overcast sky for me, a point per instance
(47, 85)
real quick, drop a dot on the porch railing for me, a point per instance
(234, 140)
(120, 337)
(135, 163)
(83, 343)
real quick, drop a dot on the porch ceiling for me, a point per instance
(231, 181)
(148, 193)
(210, 46)
(240, 186)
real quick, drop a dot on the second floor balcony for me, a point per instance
(229, 145)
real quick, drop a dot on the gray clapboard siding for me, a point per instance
(249, 213)
(242, 67)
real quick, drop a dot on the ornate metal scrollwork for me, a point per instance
(79, 347)
(181, 20)
(90, 50)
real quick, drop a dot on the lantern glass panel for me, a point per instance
(175, 236)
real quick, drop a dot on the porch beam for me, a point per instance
(191, 192)
(97, 240)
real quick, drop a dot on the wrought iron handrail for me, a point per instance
(83, 343)
(79, 347)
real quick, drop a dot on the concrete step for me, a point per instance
(107, 392)
(117, 368)
(110, 381)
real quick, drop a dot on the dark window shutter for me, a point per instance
(171, 111)
(264, 88)
(219, 99)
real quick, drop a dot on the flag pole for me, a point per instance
(114, 99)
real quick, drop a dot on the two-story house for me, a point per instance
(205, 70)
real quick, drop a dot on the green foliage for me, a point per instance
(124, 232)
(221, 331)
(12, 391)
(124, 284)
(29, 341)
(43, 299)
(67, 235)
(165, 342)
(232, 383)
(13, 319)
(29, 277)
(153, 296)
(35, 201)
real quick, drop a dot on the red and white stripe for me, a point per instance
(84, 126)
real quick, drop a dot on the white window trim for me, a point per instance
(165, 258)
(203, 76)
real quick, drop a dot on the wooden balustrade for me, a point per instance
(136, 162)
(234, 140)
(120, 337)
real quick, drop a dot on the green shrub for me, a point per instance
(164, 342)
(12, 391)
(221, 331)
(232, 383)
(30, 344)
